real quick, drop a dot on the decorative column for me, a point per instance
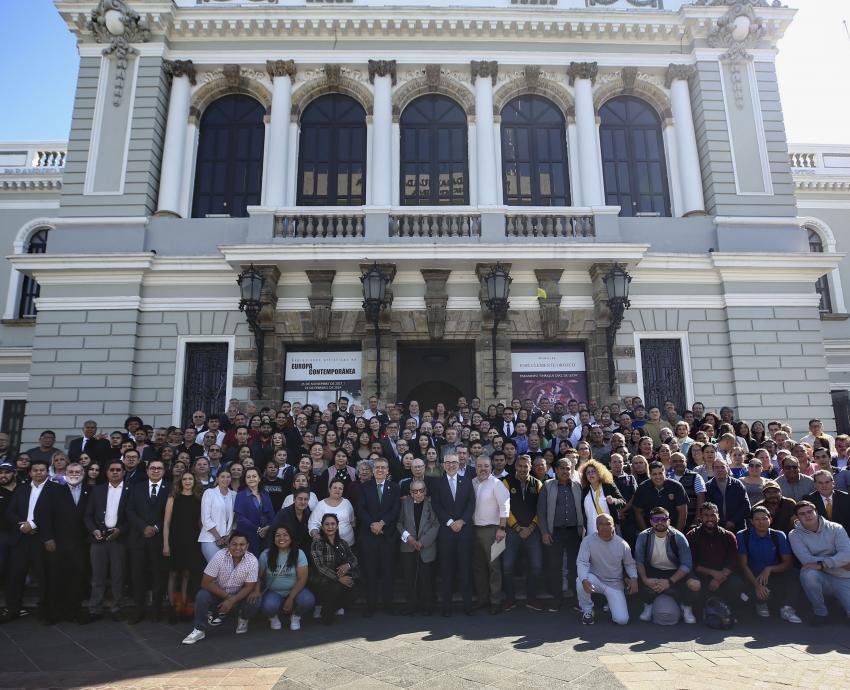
(436, 300)
(172, 175)
(690, 181)
(382, 74)
(282, 73)
(582, 77)
(484, 77)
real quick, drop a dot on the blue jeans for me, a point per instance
(206, 601)
(818, 585)
(303, 605)
(534, 561)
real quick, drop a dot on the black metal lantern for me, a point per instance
(250, 283)
(617, 282)
(375, 283)
(497, 286)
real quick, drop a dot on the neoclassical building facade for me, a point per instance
(436, 139)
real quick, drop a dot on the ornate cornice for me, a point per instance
(737, 30)
(675, 71)
(180, 68)
(113, 22)
(281, 68)
(582, 70)
(484, 69)
(382, 68)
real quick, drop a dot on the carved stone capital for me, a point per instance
(179, 68)
(382, 68)
(333, 74)
(281, 68)
(432, 75)
(675, 71)
(436, 300)
(629, 77)
(582, 70)
(321, 298)
(484, 69)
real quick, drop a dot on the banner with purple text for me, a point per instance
(557, 372)
(320, 377)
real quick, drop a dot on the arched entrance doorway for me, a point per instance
(435, 372)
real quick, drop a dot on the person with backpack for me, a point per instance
(764, 555)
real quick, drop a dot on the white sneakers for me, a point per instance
(294, 622)
(194, 636)
(241, 626)
(340, 612)
(688, 615)
(789, 615)
(646, 614)
(274, 623)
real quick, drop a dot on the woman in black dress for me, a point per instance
(180, 542)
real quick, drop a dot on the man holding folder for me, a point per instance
(492, 507)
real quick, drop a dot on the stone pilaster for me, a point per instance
(597, 342)
(550, 306)
(321, 298)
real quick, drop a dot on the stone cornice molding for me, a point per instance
(675, 71)
(180, 68)
(582, 70)
(113, 22)
(382, 68)
(484, 69)
(281, 68)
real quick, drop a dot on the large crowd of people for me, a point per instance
(295, 512)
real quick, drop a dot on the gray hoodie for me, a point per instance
(829, 544)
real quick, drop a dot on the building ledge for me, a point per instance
(17, 322)
(830, 316)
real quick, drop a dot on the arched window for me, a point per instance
(633, 164)
(332, 153)
(229, 171)
(534, 153)
(29, 288)
(822, 285)
(434, 162)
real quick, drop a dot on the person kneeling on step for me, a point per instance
(602, 558)
(663, 564)
(229, 579)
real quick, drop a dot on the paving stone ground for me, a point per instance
(521, 649)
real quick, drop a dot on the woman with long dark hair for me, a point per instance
(180, 542)
(334, 571)
(253, 510)
(282, 582)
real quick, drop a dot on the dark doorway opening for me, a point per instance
(435, 372)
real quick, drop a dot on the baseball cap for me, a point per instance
(770, 484)
(5, 465)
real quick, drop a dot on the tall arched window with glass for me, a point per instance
(434, 155)
(633, 165)
(822, 284)
(534, 153)
(332, 153)
(229, 170)
(30, 289)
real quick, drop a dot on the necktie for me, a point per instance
(380, 493)
(453, 486)
(828, 508)
(597, 495)
(153, 490)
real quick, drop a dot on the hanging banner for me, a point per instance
(319, 377)
(556, 372)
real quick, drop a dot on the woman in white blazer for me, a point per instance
(216, 515)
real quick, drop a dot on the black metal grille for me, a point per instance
(29, 288)
(663, 372)
(205, 379)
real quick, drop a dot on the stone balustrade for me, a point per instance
(320, 224)
(428, 222)
(549, 223)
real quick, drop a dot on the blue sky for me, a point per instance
(39, 59)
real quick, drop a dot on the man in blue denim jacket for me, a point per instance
(664, 560)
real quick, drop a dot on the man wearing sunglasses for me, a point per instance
(664, 561)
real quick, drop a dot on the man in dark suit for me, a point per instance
(377, 514)
(134, 469)
(59, 516)
(106, 523)
(96, 448)
(294, 436)
(454, 503)
(831, 504)
(507, 427)
(26, 545)
(146, 513)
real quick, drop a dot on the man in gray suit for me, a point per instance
(418, 527)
